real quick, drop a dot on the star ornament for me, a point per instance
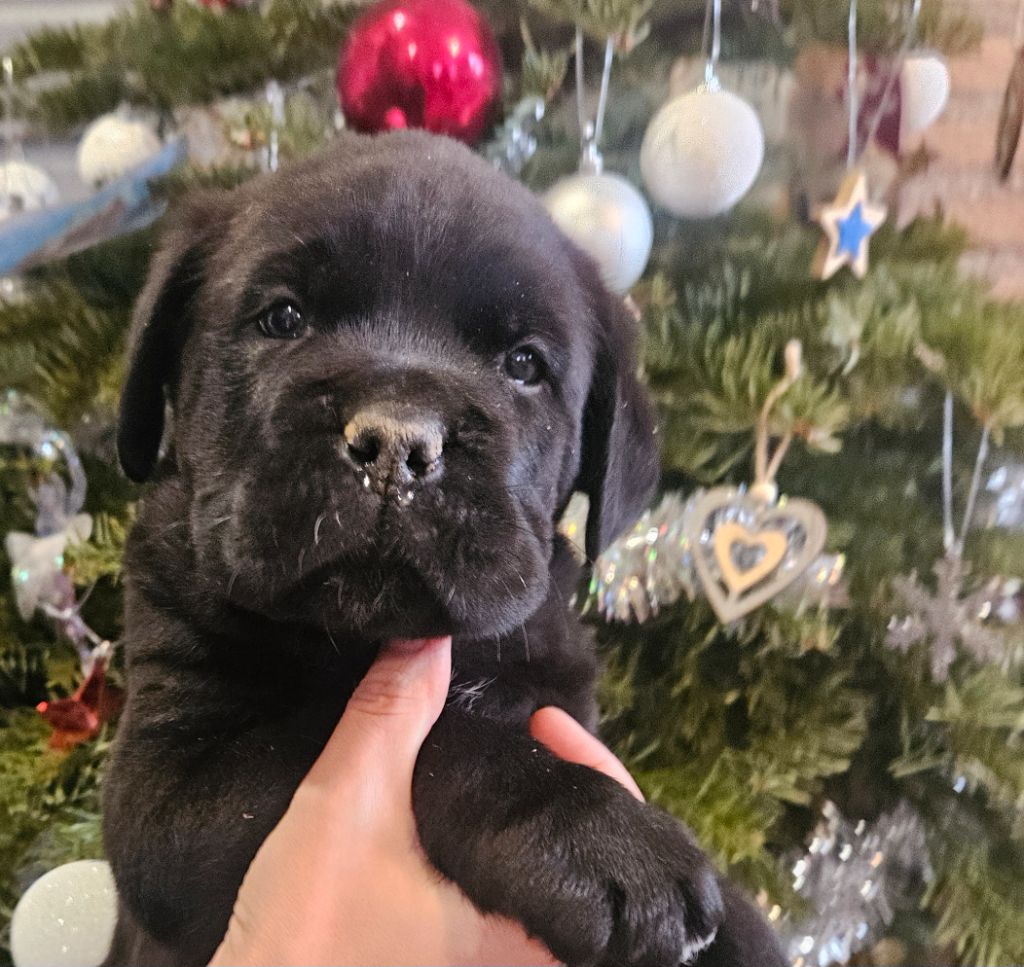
(849, 222)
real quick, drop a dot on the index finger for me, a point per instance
(564, 736)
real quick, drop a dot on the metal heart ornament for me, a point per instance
(746, 549)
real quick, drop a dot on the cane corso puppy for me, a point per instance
(386, 372)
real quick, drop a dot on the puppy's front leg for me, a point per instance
(601, 878)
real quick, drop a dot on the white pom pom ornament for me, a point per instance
(924, 89)
(66, 918)
(113, 145)
(607, 218)
(24, 188)
(702, 152)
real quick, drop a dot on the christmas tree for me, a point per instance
(839, 718)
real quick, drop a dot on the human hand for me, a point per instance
(342, 879)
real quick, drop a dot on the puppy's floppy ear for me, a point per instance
(160, 326)
(619, 462)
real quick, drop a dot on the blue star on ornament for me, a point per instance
(849, 222)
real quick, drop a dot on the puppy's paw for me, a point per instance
(637, 893)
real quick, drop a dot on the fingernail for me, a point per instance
(413, 646)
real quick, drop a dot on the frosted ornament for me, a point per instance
(112, 145)
(66, 918)
(25, 187)
(924, 92)
(702, 153)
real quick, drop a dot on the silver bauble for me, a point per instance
(607, 218)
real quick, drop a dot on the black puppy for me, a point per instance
(388, 371)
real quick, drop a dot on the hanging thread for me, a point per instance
(852, 95)
(712, 44)
(591, 132)
(894, 74)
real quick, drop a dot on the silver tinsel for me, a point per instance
(650, 567)
(1002, 503)
(855, 875)
(947, 619)
(515, 142)
(37, 559)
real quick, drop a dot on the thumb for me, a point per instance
(386, 720)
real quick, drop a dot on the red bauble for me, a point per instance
(78, 718)
(420, 64)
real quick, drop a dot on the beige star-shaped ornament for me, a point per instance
(849, 222)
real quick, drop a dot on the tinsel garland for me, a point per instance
(650, 567)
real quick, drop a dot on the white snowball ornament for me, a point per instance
(607, 218)
(112, 145)
(24, 188)
(924, 90)
(702, 152)
(66, 918)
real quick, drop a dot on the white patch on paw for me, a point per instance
(697, 946)
(465, 695)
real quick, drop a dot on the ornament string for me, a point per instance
(894, 74)
(948, 533)
(852, 94)
(275, 101)
(972, 495)
(766, 466)
(712, 43)
(953, 543)
(591, 132)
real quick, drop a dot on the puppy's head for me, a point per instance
(388, 371)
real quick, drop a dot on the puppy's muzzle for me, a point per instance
(394, 452)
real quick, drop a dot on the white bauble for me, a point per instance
(702, 152)
(24, 188)
(607, 218)
(66, 918)
(112, 145)
(924, 90)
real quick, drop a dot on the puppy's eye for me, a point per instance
(283, 320)
(524, 366)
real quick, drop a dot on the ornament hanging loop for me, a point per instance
(766, 465)
(852, 94)
(712, 44)
(591, 132)
(894, 75)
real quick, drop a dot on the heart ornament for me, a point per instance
(746, 549)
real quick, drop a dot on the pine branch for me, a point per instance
(62, 350)
(103, 554)
(188, 55)
(621, 19)
(882, 24)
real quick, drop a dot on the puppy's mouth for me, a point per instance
(401, 588)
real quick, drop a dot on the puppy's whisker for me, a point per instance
(316, 529)
(330, 637)
(232, 579)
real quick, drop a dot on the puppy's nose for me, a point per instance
(394, 450)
